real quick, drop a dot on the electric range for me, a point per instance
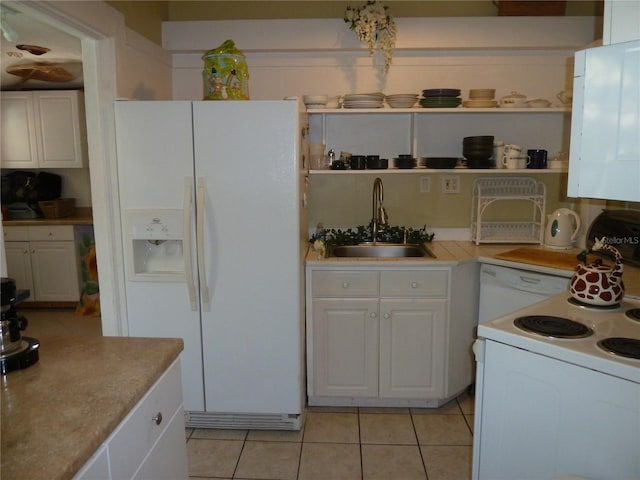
(549, 406)
(593, 326)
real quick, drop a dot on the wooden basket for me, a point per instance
(62, 207)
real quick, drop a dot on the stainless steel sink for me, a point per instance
(382, 250)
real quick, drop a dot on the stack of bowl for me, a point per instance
(440, 98)
(481, 98)
(478, 151)
(401, 100)
(405, 161)
(315, 101)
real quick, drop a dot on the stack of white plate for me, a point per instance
(402, 100)
(479, 103)
(363, 100)
(481, 98)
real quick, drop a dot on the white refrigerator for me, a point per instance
(212, 201)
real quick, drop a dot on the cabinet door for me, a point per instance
(608, 110)
(345, 347)
(58, 117)
(412, 348)
(19, 142)
(55, 271)
(19, 265)
(167, 460)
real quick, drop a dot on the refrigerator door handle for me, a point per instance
(186, 241)
(200, 207)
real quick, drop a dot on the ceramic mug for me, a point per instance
(515, 162)
(512, 150)
(498, 153)
(511, 155)
(537, 158)
(523, 162)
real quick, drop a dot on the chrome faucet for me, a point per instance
(380, 216)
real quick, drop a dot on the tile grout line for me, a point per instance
(415, 433)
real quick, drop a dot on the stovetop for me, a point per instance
(584, 350)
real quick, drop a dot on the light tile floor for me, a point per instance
(335, 443)
(344, 443)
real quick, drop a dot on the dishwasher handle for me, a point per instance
(523, 280)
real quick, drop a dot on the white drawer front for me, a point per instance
(16, 234)
(138, 432)
(51, 232)
(344, 284)
(414, 283)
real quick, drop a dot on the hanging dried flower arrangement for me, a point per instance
(375, 27)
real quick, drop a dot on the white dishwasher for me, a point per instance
(504, 289)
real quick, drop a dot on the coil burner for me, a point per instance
(622, 346)
(633, 314)
(551, 326)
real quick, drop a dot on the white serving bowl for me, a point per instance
(315, 99)
(538, 103)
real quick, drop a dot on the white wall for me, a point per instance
(532, 55)
(144, 71)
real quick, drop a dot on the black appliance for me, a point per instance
(621, 228)
(16, 351)
(22, 190)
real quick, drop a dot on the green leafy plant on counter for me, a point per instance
(354, 236)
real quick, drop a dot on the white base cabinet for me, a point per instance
(43, 129)
(150, 442)
(412, 348)
(377, 337)
(45, 260)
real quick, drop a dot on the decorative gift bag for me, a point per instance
(225, 75)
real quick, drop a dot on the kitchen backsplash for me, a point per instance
(345, 200)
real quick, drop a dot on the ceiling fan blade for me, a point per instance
(43, 72)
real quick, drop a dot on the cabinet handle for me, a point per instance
(386, 315)
(157, 418)
(373, 315)
(345, 285)
(414, 284)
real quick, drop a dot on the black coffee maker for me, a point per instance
(16, 351)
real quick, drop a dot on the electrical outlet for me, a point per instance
(450, 184)
(425, 184)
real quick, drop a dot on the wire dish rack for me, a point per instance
(489, 191)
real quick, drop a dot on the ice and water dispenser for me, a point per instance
(154, 244)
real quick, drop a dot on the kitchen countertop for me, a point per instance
(57, 412)
(456, 252)
(83, 216)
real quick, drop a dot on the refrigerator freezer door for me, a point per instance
(248, 155)
(155, 154)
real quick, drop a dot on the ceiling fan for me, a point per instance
(46, 72)
(35, 55)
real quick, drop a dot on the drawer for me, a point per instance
(344, 284)
(16, 234)
(134, 437)
(51, 232)
(414, 283)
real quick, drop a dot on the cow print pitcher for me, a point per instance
(599, 284)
